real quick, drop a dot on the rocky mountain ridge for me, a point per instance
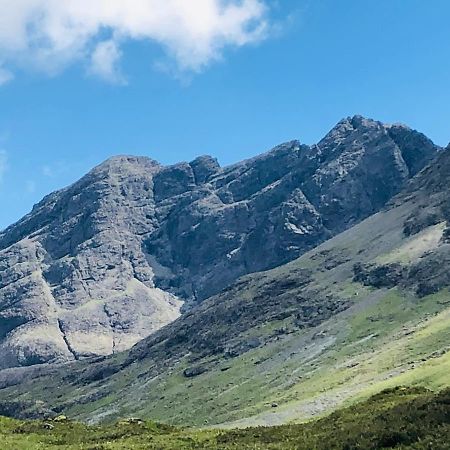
(98, 266)
(368, 309)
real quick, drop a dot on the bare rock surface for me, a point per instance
(74, 279)
(98, 266)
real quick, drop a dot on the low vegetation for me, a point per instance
(402, 418)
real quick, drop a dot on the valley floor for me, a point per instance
(402, 418)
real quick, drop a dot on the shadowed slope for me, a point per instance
(366, 310)
(100, 265)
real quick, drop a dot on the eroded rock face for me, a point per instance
(379, 276)
(269, 210)
(74, 279)
(102, 264)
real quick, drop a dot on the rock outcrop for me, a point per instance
(74, 279)
(100, 265)
(271, 209)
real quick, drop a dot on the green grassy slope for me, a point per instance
(384, 338)
(403, 418)
(285, 345)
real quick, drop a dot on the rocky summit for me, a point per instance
(100, 265)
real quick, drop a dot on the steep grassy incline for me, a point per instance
(402, 418)
(367, 310)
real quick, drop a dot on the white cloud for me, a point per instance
(3, 163)
(105, 62)
(51, 34)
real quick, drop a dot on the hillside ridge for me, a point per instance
(103, 263)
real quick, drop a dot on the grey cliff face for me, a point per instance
(264, 212)
(75, 281)
(100, 265)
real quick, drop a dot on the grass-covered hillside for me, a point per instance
(401, 418)
(365, 311)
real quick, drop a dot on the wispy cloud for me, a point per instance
(30, 186)
(56, 169)
(105, 61)
(51, 34)
(47, 171)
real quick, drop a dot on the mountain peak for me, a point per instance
(99, 265)
(359, 121)
(356, 121)
(347, 126)
(204, 167)
(124, 162)
(398, 125)
(205, 159)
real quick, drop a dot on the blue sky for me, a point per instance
(292, 71)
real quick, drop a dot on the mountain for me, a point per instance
(367, 310)
(100, 265)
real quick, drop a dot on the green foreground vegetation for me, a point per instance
(413, 418)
